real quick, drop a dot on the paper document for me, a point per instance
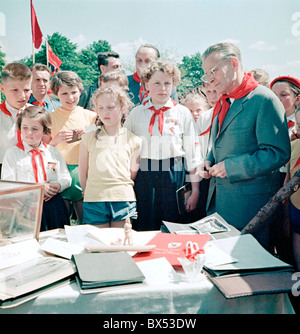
(61, 248)
(20, 252)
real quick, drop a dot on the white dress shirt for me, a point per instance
(8, 130)
(203, 122)
(17, 166)
(179, 136)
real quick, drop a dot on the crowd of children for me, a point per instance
(118, 160)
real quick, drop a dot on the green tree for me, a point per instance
(61, 46)
(84, 62)
(2, 60)
(191, 72)
(2, 63)
(88, 56)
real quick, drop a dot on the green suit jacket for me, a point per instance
(254, 143)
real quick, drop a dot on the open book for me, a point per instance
(208, 225)
(21, 280)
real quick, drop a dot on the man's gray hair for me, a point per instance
(226, 49)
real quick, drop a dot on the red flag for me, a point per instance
(37, 35)
(52, 57)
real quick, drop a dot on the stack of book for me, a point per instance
(98, 272)
(253, 271)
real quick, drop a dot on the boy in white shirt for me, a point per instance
(16, 86)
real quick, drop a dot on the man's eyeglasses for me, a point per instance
(208, 77)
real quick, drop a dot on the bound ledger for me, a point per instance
(255, 270)
(100, 271)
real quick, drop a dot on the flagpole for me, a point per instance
(47, 51)
(33, 55)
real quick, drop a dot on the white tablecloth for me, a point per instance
(168, 298)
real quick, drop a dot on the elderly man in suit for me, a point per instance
(249, 137)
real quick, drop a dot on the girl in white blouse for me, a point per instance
(34, 161)
(170, 146)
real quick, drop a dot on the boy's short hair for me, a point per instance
(15, 71)
(261, 76)
(195, 96)
(68, 78)
(114, 75)
(162, 66)
(40, 67)
(38, 113)
(102, 57)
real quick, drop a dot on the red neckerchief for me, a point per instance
(222, 106)
(37, 103)
(137, 79)
(290, 124)
(160, 113)
(35, 152)
(7, 112)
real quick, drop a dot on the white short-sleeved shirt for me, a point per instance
(8, 129)
(203, 123)
(179, 136)
(17, 166)
(291, 126)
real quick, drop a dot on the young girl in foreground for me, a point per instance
(170, 139)
(108, 162)
(32, 160)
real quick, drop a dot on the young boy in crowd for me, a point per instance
(16, 86)
(197, 103)
(69, 123)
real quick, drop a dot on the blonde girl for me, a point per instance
(108, 162)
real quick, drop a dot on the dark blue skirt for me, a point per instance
(155, 188)
(55, 214)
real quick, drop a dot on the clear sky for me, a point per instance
(266, 31)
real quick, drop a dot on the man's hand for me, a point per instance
(218, 170)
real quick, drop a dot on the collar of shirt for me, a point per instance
(28, 148)
(149, 104)
(12, 110)
(104, 133)
(291, 117)
(32, 99)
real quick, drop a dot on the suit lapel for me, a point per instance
(235, 108)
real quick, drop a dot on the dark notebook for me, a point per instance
(255, 270)
(182, 195)
(97, 270)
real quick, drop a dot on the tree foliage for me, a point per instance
(191, 72)
(84, 62)
(2, 63)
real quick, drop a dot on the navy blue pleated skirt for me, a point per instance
(55, 214)
(155, 188)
